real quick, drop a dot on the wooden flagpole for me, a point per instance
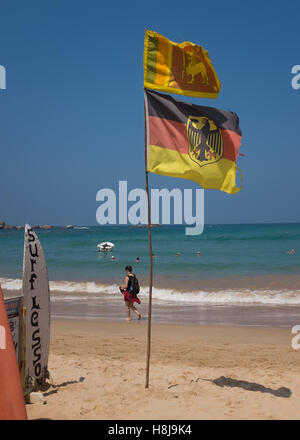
(151, 266)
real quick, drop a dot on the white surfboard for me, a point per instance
(37, 303)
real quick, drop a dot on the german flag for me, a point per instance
(192, 142)
(181, 68)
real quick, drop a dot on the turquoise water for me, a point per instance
(226, 250)
(243, 275)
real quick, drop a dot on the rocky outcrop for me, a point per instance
(10, 227)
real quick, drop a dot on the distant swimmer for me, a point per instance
(137, 260)
(177, 254)
(154, 256)
(198, 254)
(292, 251)
(112, 257)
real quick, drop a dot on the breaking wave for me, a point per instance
(72, 291)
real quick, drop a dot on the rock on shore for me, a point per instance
(10, 227)
(46, 227)
(3, 225)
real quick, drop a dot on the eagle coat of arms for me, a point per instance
(205, 140)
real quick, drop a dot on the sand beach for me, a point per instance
(197, 372)
(221, 335)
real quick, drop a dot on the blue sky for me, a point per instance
(72, 117)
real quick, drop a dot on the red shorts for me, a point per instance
(130, 297)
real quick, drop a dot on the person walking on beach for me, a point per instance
(130, 290)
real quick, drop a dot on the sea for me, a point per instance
(244, 274)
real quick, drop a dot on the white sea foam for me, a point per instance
(89, 287)
(243, 296)
(71, 290)
(10, 284)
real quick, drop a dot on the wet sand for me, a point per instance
(111, 309)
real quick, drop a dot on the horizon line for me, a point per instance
(146, 224)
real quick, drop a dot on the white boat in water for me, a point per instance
(105, 246)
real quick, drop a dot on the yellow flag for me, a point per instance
(184, 68)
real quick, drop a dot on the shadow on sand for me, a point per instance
(64, 384)
(251, 386)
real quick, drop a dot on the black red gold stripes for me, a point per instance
(166, 107)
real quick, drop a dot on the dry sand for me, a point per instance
(99, 371)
